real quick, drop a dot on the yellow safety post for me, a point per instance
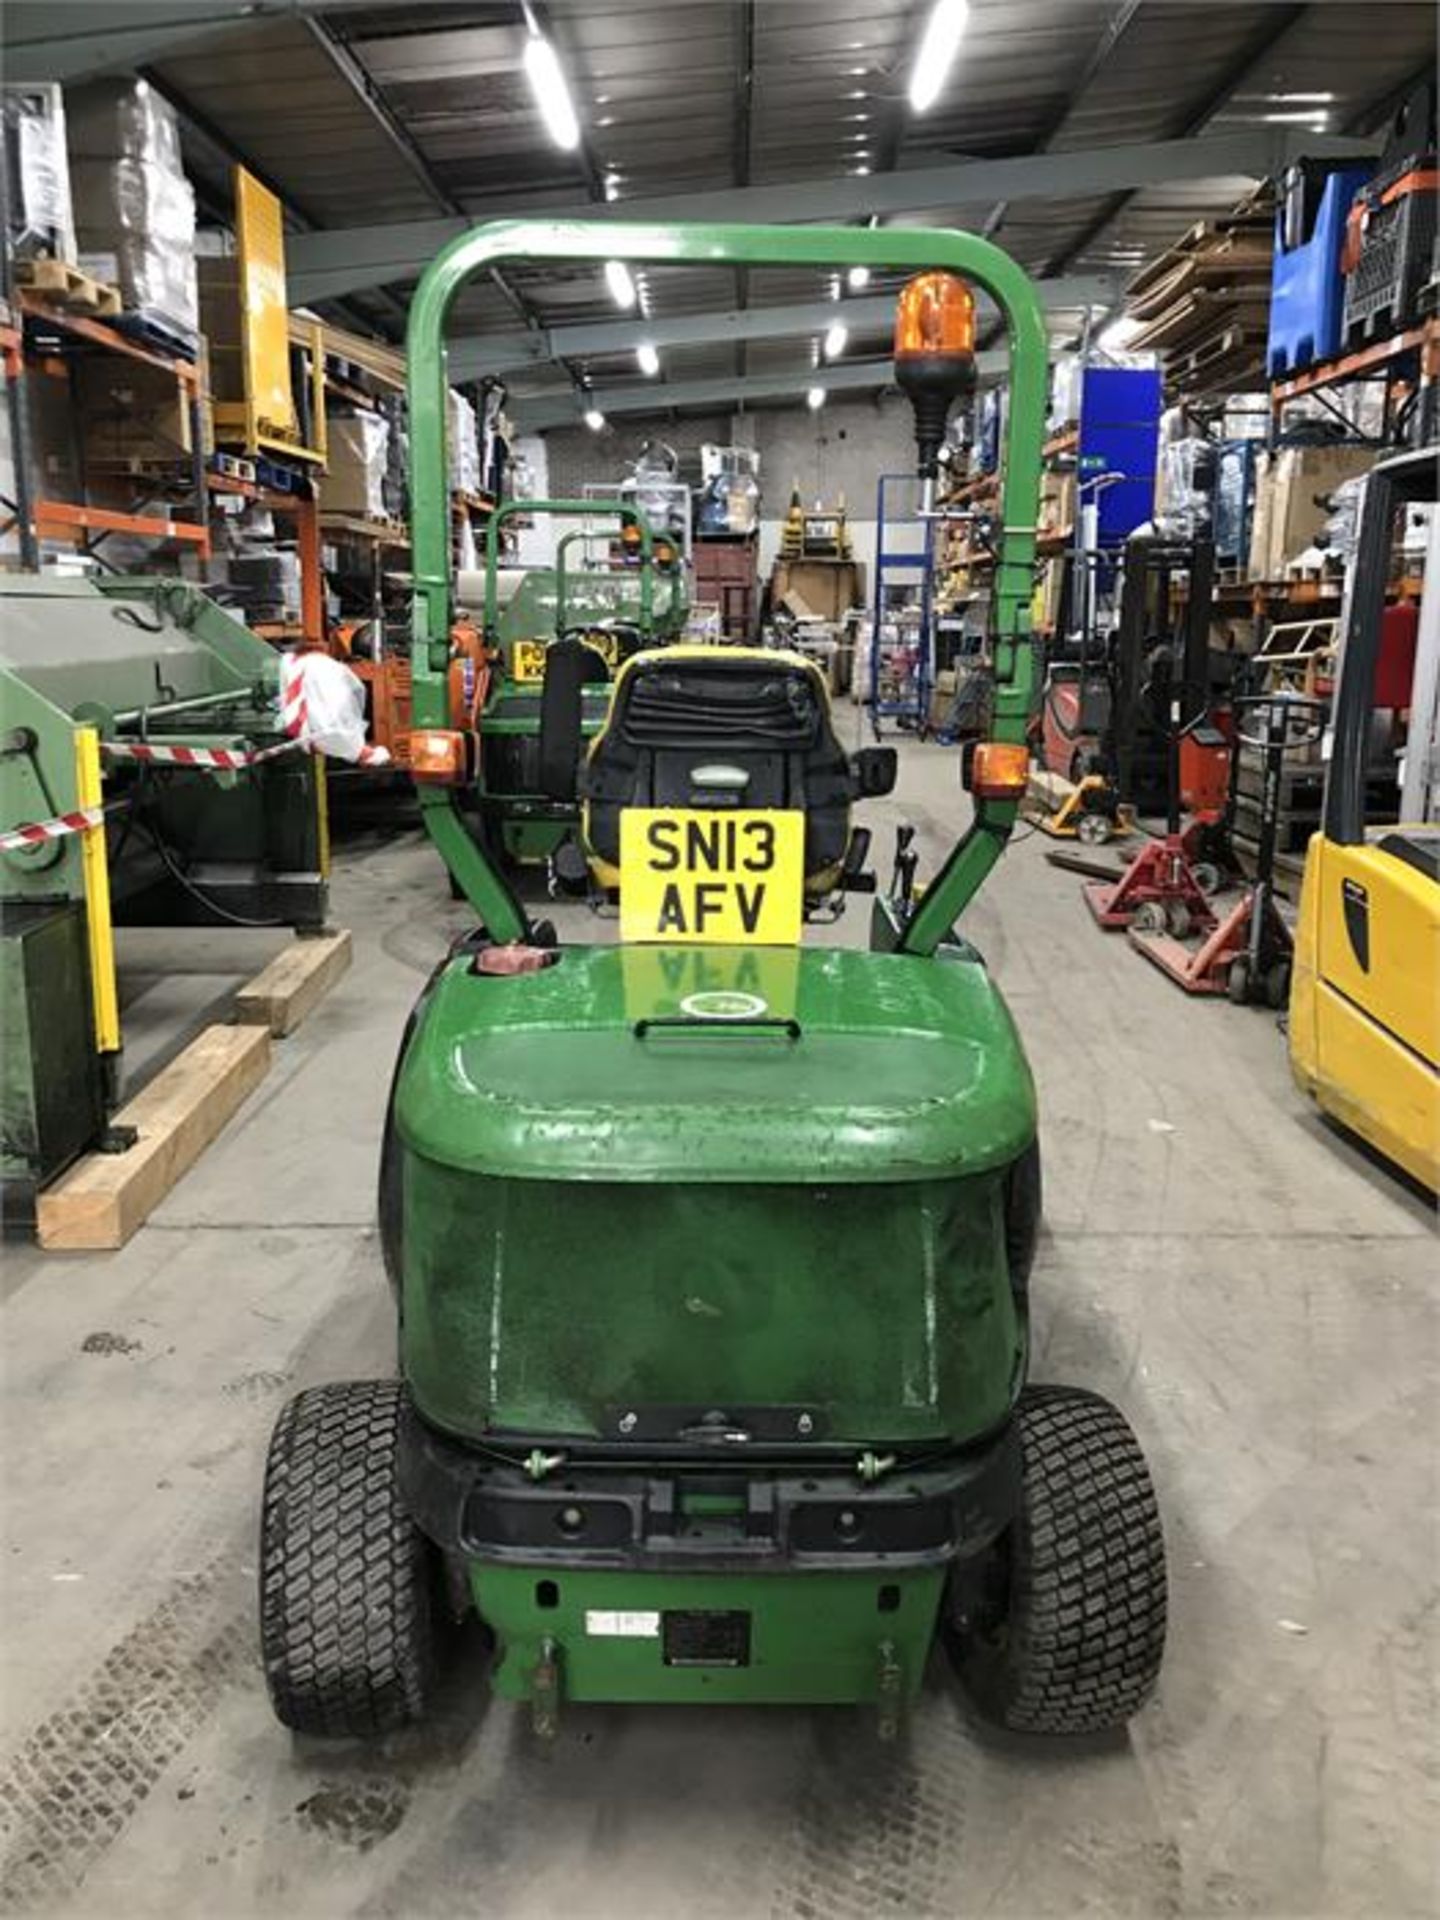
(96, 869)
(322, 814)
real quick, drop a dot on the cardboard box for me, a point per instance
(355, 474)
(1291, 488)
(132, 416)
(817, 589)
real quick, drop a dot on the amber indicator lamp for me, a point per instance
(934, 358)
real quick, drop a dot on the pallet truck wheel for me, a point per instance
(1177, 918)
(1277, 985)
(1060, 1627)
(1150, 917)
(1237, 981)
(1208, 877)
(1093, 829)
(347, 1580)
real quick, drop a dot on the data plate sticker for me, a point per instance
(622, 1626)
(694, 875)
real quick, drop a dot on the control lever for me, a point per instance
(853, 877)
(907, 861)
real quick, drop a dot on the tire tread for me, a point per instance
(346, 1578)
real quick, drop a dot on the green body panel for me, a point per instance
(885, 249)
(52, 1087)
(75, 652)
(815, 1638)
(545, 1309)
(902, 1072)
(719, 1215)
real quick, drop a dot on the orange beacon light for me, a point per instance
(934, 356)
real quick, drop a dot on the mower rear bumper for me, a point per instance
(706, 1514)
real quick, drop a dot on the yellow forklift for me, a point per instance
(1365, 1004)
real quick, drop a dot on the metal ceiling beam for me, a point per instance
(84, 37)
(1271, 30)
(474, 355)
(332, 42)
(561, 409)
(327, 265)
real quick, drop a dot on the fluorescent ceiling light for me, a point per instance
(594, 419)
(552, 95)
(836, 336)
(857, 279)
(612, 186)
(860, 170)
(647, 359)
(815, 399)
(622, 287)
(938, 47)
(1305, 117)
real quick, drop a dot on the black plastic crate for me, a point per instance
(1396, 259)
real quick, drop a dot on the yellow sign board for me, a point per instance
(264, 317)
(527, 662)
(693, 875)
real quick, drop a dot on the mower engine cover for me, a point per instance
(650, 1178)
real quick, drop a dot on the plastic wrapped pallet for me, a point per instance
(132, 198)
(42, 221)
(358, 456)
(464, 445)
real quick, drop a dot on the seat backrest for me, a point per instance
(721, 727)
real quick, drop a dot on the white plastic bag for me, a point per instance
(322, 705)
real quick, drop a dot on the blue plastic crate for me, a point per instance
(1307, 294)
(1120, 433)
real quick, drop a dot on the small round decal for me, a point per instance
(724, 1006)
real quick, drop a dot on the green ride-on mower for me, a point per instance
(556, 640)
(711, 1249)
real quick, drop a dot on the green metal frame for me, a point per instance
(883, 249)
(577, 536)
(562, 509)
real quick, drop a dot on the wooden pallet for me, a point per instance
(60, 285)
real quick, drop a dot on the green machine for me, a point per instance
(710, 1248)
(121, 675)
(554, 644)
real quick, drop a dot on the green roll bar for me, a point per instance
(647, 581)
(883, 250)
(562, 509)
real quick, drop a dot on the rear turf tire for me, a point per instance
(1062, 1628)
(347, 1581)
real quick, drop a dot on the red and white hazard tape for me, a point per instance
(222, 759)
(35, 833)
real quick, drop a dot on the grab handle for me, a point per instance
(713, 1023)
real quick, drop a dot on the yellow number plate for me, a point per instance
(688, 875)
(528, 660)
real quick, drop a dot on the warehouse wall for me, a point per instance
(838, 451)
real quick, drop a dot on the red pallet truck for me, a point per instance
(1248, 954)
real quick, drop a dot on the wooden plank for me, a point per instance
(295, 981)
(100, 1202)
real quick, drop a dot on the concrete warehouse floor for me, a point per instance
(1256, 1294)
